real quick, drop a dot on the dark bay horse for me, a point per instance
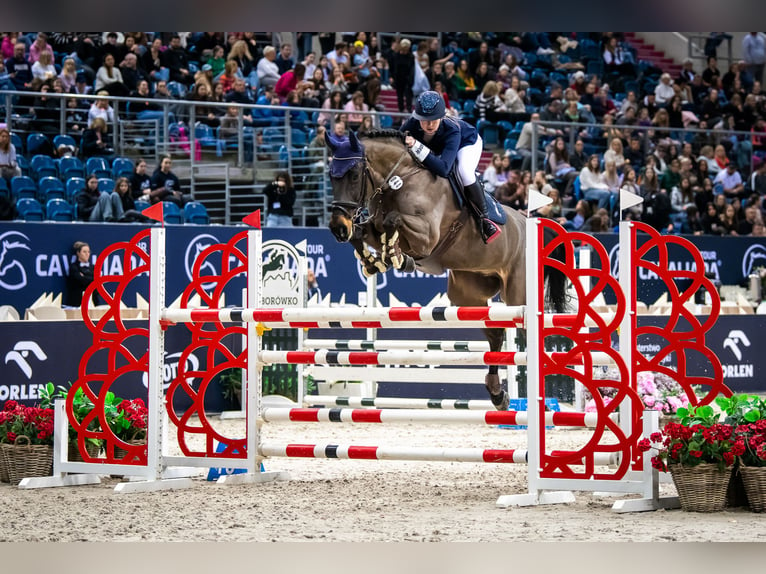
(384, 199)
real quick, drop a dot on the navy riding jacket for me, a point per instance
(452, 135)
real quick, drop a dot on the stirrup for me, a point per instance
(489, 230)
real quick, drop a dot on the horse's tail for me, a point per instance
(556, 280)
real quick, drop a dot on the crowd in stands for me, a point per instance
(610, 120)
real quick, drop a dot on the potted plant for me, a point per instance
(699, 452)
(231, 385)
(26, 441)
(81, 408)
(128, 422)
(748, 415)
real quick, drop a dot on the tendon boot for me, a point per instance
(488, 229)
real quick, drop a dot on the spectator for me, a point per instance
(131, 74)
(402, 64)
(240, 53)
(112, 47)
(663, 92)
(578, 159)
(68, 75)
(578, 216)
(524, 143)
(747, 224)
(9, 167)
(82, 87)
(711, 222)
(312, 286)
(203, 110)
(80, 275)
(7, 46)
(94, 141)
(101, 109)
(177, 62)
(43, 69)
(692, 223)
(614, 153)
(152, 62)
(598, 222)
(339, 57)
(711, 109)
(634, 154)
(353, 107)
(592, 183)
(280, 195)
(217, 62)
(615, 60)
(630, 102)
(704, 194)
(145, 109)
(285, 60)
(729, 222)
(289, 81)
(466, 84)
(19, 70)
(109, 78)
(239, 93)
(657, 211)
(39, 47)
(488, 103)
(76, 117)
(489, 177)
(267, 69)
(140, 182)
(729, 182)
(558, 161)
(94, 205)
(754, 54)
(671, 177)
(711, 76)
(165, 185)
(229, 76)
(682, 196)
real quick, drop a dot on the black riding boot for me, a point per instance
(488, 229)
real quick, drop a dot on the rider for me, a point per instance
(438, 142)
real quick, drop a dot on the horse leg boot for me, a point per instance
(488, 229)
(497, 393)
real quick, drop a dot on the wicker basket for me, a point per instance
(754, 479)
(73, 452)
(701, 488)
(122, 453)
(25, 459)
(3, 463)
(735, 494)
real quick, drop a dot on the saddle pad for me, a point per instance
(494, 208)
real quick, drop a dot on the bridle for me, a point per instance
(359, 205)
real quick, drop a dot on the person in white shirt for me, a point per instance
(44, 68)
(592, 183)
(267, 69)
(729, 182)
(664, 91)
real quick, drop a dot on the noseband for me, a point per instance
(352, 209)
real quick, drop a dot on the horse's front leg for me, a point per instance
(371, 264)
(390, 249)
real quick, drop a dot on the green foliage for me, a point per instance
(274, 383)
(742, 408)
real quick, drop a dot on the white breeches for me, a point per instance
(468, 160)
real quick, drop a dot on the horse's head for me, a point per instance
(347, 172)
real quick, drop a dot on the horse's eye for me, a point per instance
(354, 175)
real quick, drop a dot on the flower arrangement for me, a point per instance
(35, 423)
(658, 392)
(747, 413)
(698, 438)
(129, 420)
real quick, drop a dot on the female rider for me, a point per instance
(438, 142)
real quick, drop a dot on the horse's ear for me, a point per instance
(329, 141)
(355, 145)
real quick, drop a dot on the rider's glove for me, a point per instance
(420, 151)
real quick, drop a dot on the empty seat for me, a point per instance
(38, 143)
(50, 188)
(23, 186)
(58, 210)
(141, 204)
(122, 167)
(73, 185)
(70, 167)
(195, 212)
(171, 212)
(29, 209)
(43, 166)
(98, 166)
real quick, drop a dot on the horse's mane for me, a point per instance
(377, 134)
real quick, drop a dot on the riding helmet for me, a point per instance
(430, 106)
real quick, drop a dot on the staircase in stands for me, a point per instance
(648, 52)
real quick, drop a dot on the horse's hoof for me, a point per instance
(501, 401)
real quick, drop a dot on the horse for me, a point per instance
(383, 198)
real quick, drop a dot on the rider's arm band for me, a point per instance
(420, 151)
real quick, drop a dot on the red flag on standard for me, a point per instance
(155, 212)
(254, 219)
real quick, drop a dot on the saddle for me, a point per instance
(494, 208)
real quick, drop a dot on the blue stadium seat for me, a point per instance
(171, 212)
(70, 167)
(23, 163)
(299, 138)
(23, 186)
(64, 139)
(37, 143)
(4, 189)
(50, 188)
(203, 133)
(106, 184)
(98, 166)
(122, 167)
(196, 213)
(29, 209)
(141, 204)
(58, 210)
(43, 166)
(18, 143)
(73, 185)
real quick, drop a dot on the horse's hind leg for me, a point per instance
(467, 288)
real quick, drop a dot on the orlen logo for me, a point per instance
(21, 351)
(193, 250)
(755, 256)
(13, 276)
(170, 369)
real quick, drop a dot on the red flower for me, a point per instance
(644, 444)
(656, 437)
(11, 406)
(728, 458)
(695, 453)
(738, 448)
(11, 437)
